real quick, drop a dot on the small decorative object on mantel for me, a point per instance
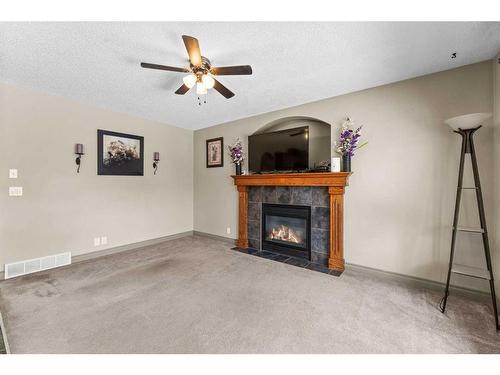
(79, 152)
(156, 160)
(215, 156)
(335, 166)
(236, 153)
(348, 143)
(119, 154)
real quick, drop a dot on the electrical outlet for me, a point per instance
(228, 230)
(12, 173)
(97, 241)
(104, 240)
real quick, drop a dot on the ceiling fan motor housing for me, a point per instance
(204, 68)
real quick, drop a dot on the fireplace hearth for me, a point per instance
(286, 229)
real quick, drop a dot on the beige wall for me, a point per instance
(62, 210)
(496, 228)
(399, 205)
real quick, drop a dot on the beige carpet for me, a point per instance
(195, 295)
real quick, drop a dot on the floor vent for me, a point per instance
(35, 265)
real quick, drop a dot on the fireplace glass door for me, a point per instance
(286, 229)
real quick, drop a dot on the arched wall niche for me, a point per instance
(320, 135)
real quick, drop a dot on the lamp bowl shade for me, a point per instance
(469, 121)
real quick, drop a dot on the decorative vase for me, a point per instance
(346, 163)
(238, 169)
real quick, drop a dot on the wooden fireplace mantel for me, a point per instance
(335, 181)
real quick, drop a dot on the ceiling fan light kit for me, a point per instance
(201, 71)
(208, 81)
(190, 80)
(201, 88)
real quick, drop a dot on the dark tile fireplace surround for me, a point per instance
(317, 198)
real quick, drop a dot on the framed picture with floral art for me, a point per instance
(119, 154)
(215, 155)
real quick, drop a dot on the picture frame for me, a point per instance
(119, 154)
(215, 152)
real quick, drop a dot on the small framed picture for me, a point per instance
(215, 155)
(119, 154)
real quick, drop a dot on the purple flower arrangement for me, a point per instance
(348, 141)
(236, 152)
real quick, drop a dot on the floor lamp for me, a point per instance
(466, 126)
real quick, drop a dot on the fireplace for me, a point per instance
(324, 192)
(286, 229)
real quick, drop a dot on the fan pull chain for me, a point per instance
(204, 100)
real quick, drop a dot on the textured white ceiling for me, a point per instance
(293, 63)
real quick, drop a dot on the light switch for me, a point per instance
(15, 191)
(104, 240)
(12, 173)
(97, 241)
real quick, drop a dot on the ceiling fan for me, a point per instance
(201, 71)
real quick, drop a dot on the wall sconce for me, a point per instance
(156, 160)
(79, 152)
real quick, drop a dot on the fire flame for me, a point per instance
(285, 233)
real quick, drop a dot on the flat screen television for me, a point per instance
(283, 150)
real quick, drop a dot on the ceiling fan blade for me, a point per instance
(223, 90)
(182, 90)
(231, 70)
(193, 49)
(164, 67)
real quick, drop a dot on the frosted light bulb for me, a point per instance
(208, 81)
(189, 80)
(201, 89)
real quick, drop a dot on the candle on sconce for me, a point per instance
(156, 160)
(79, 149)
(79, 152)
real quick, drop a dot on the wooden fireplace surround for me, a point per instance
(336, 183)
